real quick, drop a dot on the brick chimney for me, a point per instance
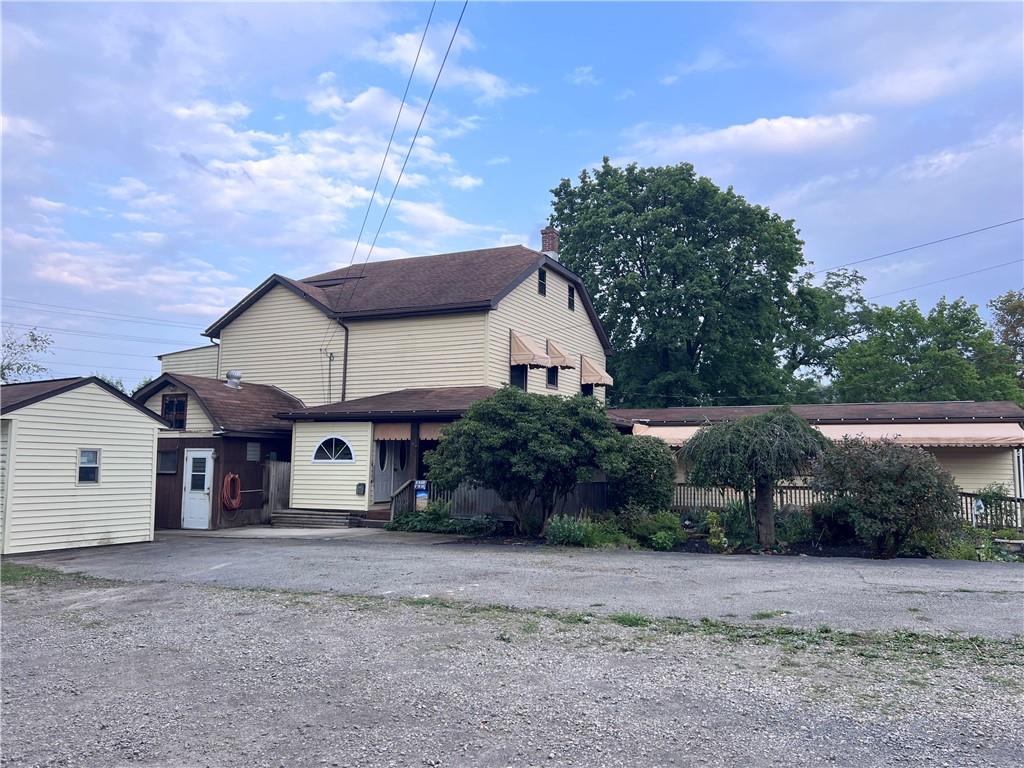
(549, 241)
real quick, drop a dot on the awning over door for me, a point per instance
(431, 430)
(591, 372)
(526, 351)
(558, 355)
(399, 430)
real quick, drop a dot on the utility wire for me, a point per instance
(101, 314)
(98, 335)
(920, 245)
(946, 279)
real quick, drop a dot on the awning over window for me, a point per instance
(591, 372)
(431, 430)
(526, 351)
(399, 430)
(558, 356)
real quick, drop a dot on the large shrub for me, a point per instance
(661, 530)
(565, 531)
(890, 492)
(646, 476)
(531, 449)
(754, 453)
(436, 518)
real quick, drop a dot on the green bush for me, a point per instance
(737, 527)
(716, 533)
(833, 523)
(646, 477)
(892, 492)
(565, 531)
(1008, 533)
(436, 518)
(606, 533)
(662, 541)
(794, 527)
(665, 525)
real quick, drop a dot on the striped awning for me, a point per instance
(524, 350)
(559, 356)
(592, 372)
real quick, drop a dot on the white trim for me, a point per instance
(314, 460)
(12, 432)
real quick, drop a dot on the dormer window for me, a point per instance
(572, 299)
(174, 408)
(542, 282)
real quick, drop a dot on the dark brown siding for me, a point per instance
(168, 487)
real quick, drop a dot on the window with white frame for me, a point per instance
(88, 466)
(334, 450)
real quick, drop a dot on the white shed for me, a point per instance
(77, 465)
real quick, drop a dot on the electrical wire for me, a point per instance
(120, 337)
(946, 279)
(100, 314)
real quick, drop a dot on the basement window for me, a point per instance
(542, 282)
(89, 466)
(517, 376)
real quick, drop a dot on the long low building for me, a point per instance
(980, 443)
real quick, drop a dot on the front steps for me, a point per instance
(310, 518)
(377, 516)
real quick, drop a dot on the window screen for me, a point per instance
(252, 451)
(166, 462)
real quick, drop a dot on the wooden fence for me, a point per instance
(276, 481)
(470, 501)
(998, 512)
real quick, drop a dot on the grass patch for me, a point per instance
(20, 574)
(631, 619)
(762, 615)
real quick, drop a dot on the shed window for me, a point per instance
(174, 409)
(517, 376)
(88, 466)
(252, 451)
(542, 282)
(587, 390)
(333, 450)
(572, 299)
(553, 377)
(166, 462)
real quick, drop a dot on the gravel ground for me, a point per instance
(143, 674)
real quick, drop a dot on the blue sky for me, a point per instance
(161, 160)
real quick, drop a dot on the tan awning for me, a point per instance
(432, 430)
(592, 373)
(526, 351)
(558, 355)
(399, 430)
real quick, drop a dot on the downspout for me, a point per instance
(344, 362)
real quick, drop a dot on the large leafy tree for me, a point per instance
(947, 354)
(531, 449)
(697, 287)
(1008, 320)
(754, 453)
(18, 362)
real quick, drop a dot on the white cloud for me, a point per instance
(465, 181)
(779, 135)
(582, 76)
(42, 204)
(207, 110)
(708, 60)
(499, 160)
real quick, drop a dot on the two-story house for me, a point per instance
(381, 356)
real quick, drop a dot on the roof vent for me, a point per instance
(234, 380)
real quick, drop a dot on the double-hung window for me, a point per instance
(174, 409)
(88, 466)
(542, 282)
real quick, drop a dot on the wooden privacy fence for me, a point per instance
(691, 497)
(473, 501)
(276, 480)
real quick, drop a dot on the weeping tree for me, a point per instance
(754, 453)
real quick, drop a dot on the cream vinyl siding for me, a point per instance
(974, 468)
(278, 341)
(542, 317)
(47, 508)
(5, 438)
(197, 362)
(196, 419)
(415, 352)
(330, 486)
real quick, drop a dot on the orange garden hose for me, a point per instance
(231, 491)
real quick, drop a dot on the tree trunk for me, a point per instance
(764, 505)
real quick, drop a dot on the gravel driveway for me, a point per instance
(923, 595)
(114, 674)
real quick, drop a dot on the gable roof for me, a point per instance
(446, 283)
(952, 411)
(15, 396)
(248, 410)
(431, 403)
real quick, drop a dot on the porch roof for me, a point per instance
(432, 403)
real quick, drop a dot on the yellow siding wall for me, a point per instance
(5, 439)
(330, 486)
(197, 362)
(46, 508)
(196, 419)
(278, 341)
(441, 351)
(542, 317)
(974, 468)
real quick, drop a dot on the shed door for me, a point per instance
(197, 491)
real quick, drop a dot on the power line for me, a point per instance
(920, 245)
(97, 335)
(946, 279)
(102, 352)
(102, 314)
(91, 365)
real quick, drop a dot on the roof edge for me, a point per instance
(77, 383)
(169, 378)
(257, 293)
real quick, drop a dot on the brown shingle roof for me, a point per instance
(15, 396)
(437, 402)
(463, 281)
(249, 409)
(837, 413)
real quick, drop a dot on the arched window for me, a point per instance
(334, 450)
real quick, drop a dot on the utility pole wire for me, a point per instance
(946, 279)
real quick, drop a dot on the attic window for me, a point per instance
(572, 299)
(542, 282)
(334, 450)
(174, 408)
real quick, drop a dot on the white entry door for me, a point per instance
(197, 490)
